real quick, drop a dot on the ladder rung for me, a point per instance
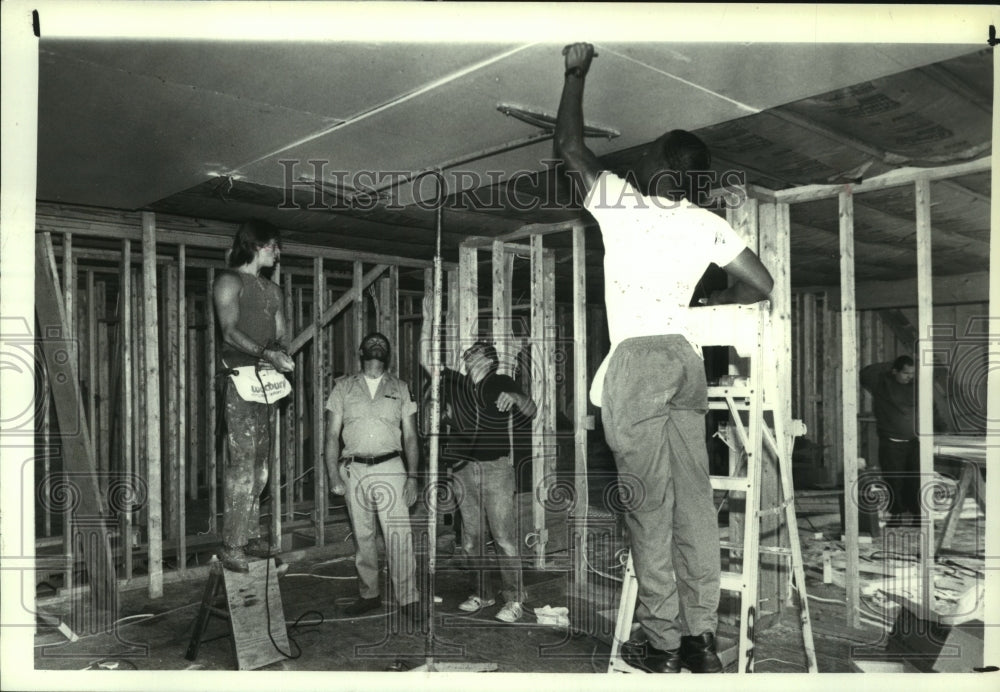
(736, 392)
(731, 483)
(769, 549)
(731, 581)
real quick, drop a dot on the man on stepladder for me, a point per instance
(651, 386)
(252, 322)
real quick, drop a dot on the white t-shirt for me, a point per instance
(373, 384)
(655, 252)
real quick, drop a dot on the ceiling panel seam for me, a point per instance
(391, 103)
(738, 104)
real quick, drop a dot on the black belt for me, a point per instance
(370, 461)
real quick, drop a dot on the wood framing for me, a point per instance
(154, 477)
(540, 363)
(318, 356)
(85, 505)
(849, 393)
(925, 391)
(896, 178)
(581, 421)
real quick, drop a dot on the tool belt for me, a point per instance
(369, 461)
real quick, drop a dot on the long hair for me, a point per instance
(250, 237)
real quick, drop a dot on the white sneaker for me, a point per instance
(474, 603)
(511, 612)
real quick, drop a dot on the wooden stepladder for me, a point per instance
(747, 328)
(251, 604)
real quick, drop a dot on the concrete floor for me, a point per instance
(154, 634)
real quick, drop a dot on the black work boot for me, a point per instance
(645, 656)
(258, 547)
(697, 653)
(233, 559)
(362, 606)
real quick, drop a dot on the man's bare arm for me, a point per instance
(751, 281)
(568, 146)
(226, 296)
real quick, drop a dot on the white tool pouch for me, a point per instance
(265, 386)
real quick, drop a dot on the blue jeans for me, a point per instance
(485, 491)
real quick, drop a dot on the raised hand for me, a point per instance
(579, 55)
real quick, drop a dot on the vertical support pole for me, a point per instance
(831, 404)
(809, 360)
(140, 463)
(775, 253)
(92, 369)
(358, 313)
(319, 473)
(274, 457)
(468, 306)
(152, 412)
(501, 308)
(46, 443)
(103, 380)
(452, 318)
(925, 391)
(211, 413)
(182, 427)
(292, 409)
(549, 407)
(849, 393)
(69, 287)
(580, 419)
(300, 405)
(127, 433)
(198, 387)
(197, 391)
(172, 422)
(69, 298)
(540, 367)
(388, 314)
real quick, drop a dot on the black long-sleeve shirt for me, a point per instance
(894, 404)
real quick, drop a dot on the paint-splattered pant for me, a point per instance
(653, 411)
(249, 434)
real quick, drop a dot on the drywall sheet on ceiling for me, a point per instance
(124, 123)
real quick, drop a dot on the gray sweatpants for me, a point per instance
(653, 411)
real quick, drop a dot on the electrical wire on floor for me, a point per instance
(119, 621)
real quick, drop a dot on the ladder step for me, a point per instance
(731, 581)
(731, 483)
(735, 391)
(763, 549)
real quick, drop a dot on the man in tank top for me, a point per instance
(251, 318)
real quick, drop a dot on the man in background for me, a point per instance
(894, 403)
